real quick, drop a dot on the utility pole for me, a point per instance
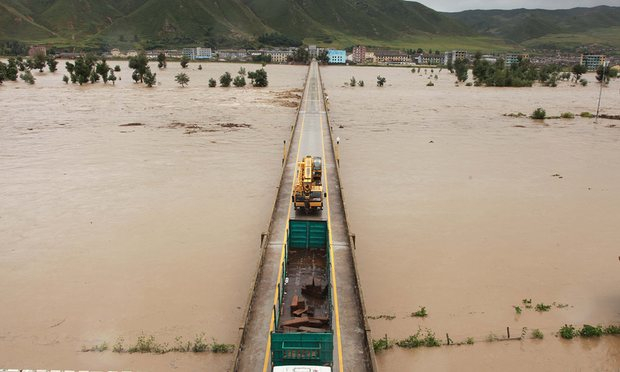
(598, 107)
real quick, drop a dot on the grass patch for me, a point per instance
(537, 334)
(568, 332)
(382, 316)
(382, 344)
(147, 344)
(518, 309)
(221, 348)
(418, 340)
(527, 302)
(97, 348)
(469, 341)
(420, 313)
(586, 114)
(567, 115)
(492, 337)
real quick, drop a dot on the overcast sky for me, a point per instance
(456, 6)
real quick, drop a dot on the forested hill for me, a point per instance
(239, 23)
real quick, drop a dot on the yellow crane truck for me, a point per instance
(308, 192)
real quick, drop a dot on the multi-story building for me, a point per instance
(429, 59)
(512, 58)
(359, 54)
(370, 57)
(451, 57)
(189, 53)
(592, 61)
(313, 51)
(392, 56)
(203, 53)
(233, 54)
(173, 53)
(280, 56)
(337, 56)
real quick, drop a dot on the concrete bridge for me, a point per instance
(311, 135)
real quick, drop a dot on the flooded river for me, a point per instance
(111, 230)
(466, 212)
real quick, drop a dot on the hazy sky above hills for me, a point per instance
(457, 6)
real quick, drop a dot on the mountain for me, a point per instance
(535, 27)
(337, 23)
(218, 22)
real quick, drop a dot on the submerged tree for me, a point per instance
(52, 63)
(149, 78)
(258, 78)
(225, 79)
(161, 60)
(380, 81)
(139, 65)
(184, 61)
(182, 79)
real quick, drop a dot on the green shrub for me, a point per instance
(537, 334)
(568, 332)
(542, 307)
(586, 114)
(420, 313)
(430, 84)
(612, 330)
(567, 115)
(539, 113)
(469, 341)
(417, 340)
(591, 331)
(222, 348)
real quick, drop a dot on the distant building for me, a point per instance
(359, 54)
(313, 51)
(429, 59)
(189, 53)
(592, 61)
(203, 53)
(132, 53)
(337, 56)
(233, 54)
(115, 52)
(489, 58)
(280, 56)
(34, 50)
(510, 59)
(392, 56)
(173, 53)
(370, 57)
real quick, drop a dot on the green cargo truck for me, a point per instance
(303, 332)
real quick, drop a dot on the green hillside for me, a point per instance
(545, 28)
(333, 23)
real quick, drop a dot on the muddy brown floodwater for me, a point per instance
(466, 212)
(110, 230)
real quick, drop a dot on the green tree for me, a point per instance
(38, 61)
(27, 77)
(139, 65)
(353, 82)
(103, 70)
(161, 60)
(603, 74)
(450, 66)
(200, 67)
(380, 80)
(3, 68)
(225, 79)
(460, 66)
(212, 83)
(83, 70)
(65, 78)
(149, 78)
(301, 55)
(12, 69)
(579, 70)
(239, 81)
(52, 63)
(135, 76)
(112, 77)
(258, 78)
(184, 61)
(242, 71)
(323, 57)
(94, 77)
(117, 68)
(182, 79)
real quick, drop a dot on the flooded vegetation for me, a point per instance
(131, 212)
(464, 212)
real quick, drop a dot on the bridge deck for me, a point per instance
(311, 136)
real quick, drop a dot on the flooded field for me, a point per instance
(466, 212)
(127, 211)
